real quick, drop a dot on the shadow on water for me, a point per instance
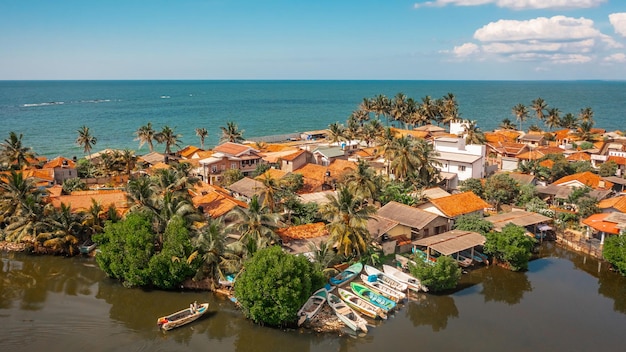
(432, 310)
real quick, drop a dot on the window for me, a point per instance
(233, 165)
(214, 168)
(462, 168)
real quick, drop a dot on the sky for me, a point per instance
(318, 40)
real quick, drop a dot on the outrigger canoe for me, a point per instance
(312, 305)
(367, 294)
(347, 275)
(359, 304)
(182, 317)
(346, 314)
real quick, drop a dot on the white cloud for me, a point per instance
(466, 50)
(556, 40)
(516, 4)
(616, 58)
(618, 20)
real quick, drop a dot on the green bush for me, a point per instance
(274, 285)
(614, 252)
(444, 275)
(512, 246)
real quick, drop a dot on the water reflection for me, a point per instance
(501, 285)
(432, 310)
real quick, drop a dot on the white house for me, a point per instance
(467, 161)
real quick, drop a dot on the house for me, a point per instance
(227, 156)
(62, 169)
(403, 224)
(246, 188)
(520, 178)
(302, 239)
(613, 204)
(583, 179)
(533, 140)
(467, 161)
(456, 205)
(188, 152)
(151, 158)
(216, 203)
(324, 155)
(83, 200)
(504, 154)
(295, 160)
(605, 224)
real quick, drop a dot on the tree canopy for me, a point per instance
(511, 246)
(444, 275)
(614, 251)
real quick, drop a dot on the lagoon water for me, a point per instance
(565, 302)
(48, 113)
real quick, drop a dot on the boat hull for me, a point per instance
(182, 317)
(360, 305)
(313, 305)
(367, 294)
(347, 315)
(347, 275)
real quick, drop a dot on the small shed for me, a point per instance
(451, 242)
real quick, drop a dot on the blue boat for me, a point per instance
(367, 294)
(347, 275)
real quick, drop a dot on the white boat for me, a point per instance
(382, 289)
(347, 315)
(386, 279)
(359, 304)
(312, 305)
(412, 282)
(182, 317)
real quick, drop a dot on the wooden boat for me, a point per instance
(420, 254)
(87, 247)
(478, 257)
(462, 260)
(359, 304)
(346, 314)
(182, 317)
(369, 295)
(412, 282)
(347, 275)
(386, 279)
(382, 289)
(312, 305)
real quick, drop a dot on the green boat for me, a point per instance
(348, 274)
(367, 294)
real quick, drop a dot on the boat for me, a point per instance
(412, 282)
(347, 315)
(404, 262)
(182, 317)
(87, 247)
(312, 305)
(369, 295)
(382, 289)
(347, 275)
(420, 254)
(386, 279)
(362, 306)
(478, 256)
(462, 260)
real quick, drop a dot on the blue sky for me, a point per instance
(338, 39)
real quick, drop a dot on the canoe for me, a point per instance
(347, 275)
(346, 314)
(312, 305)
(369, 295)
(478, 256)
(182, 317)
(462, 260)
(386, 279)
(420, 254)
(362, 306)
(382, 289)
(87, 247)
(412, 282)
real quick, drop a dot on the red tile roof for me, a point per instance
(58, 162)
(586, 178)
(597, 222)
(459, 204)
(82, 201)
(300, 232)
(617, 203)
(232, 148)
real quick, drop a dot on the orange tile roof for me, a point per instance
(232, 148)
(312, 171)
(492, 137)
(160, 165)
(55, 190)
(340, 167)
(617, 203)
(188, 151)
(301, 232)
(547, 163)
(597, 222)
(587, 178)
(203, 154)
(401, 133)
(58, 162)
(41, 174)
(459, 204)
(271, 173)
(531, 155)
(561, 134)
(579, 156)
(619, 160)
(217, 204)
(81, 201)
(276, 147)
(291, 157)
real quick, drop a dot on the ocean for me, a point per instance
(48, 113)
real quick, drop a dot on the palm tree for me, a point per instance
(554, 118)
(507, 124)
(521, 114)
(12, 153)
(569, 121)
(86, 140)
(231, 133)
(381, 106)
(337, 132)
(473, 134)
(210, 245)
(586, 115)
(63, 229)
(584, 132)
(347, 222)
(255, 224)
(362, 181)
(169, 137)
(202, 133)
(539, 106)
(429, 109)
(402, 156)
(145, 134)
(426, 171)
(450, 109)
(129, 158)
(21, 206)
(398, 108)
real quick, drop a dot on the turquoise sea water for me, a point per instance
(48, 113)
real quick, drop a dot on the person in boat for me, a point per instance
(192, 308)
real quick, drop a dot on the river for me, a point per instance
(564, 302)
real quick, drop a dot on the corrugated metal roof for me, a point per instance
(452, 241)
(406, 215)
(517, 217)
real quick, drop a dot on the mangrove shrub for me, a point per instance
(614, 251)
(274, 285)
(444, 275)
(511, 246)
